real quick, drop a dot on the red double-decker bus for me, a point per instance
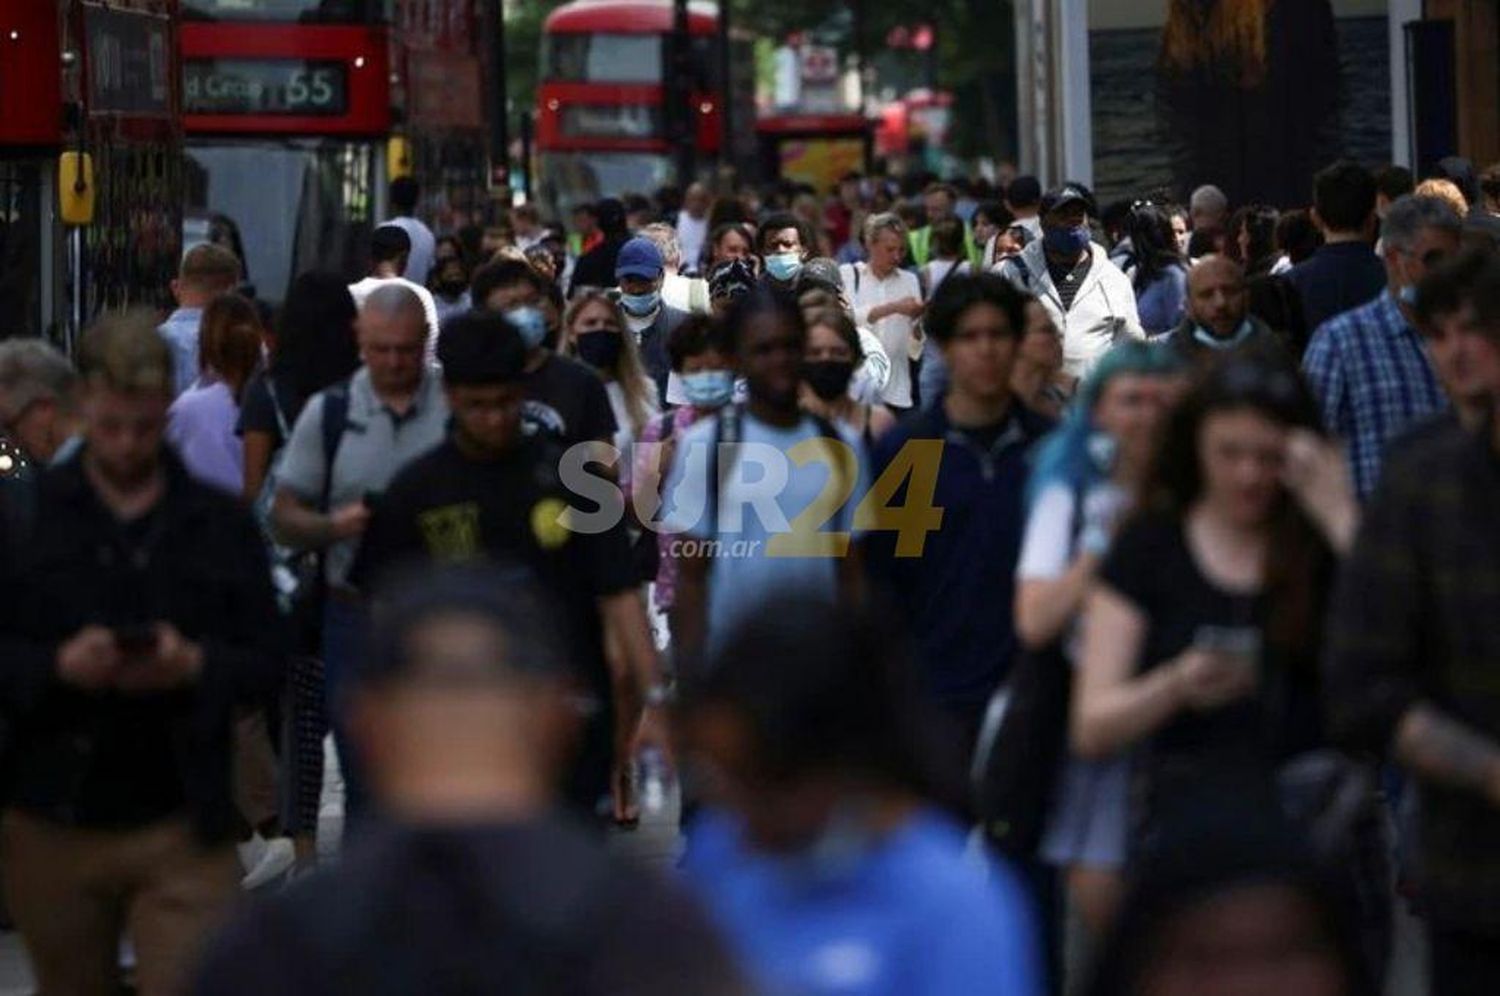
(84, 80)
(287, 108)
(601, 116)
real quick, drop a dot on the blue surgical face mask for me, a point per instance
(708, 388)
(640, 305)
(1066, 241)
(530, 322)
(783, 266)
(1207, 338)
(1408, 295)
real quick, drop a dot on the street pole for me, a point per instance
(857, 28)
(526, 149)
(726, 89)
(498, 110)
(680, 93)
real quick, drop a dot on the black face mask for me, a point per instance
(451, 288)
(829, 379)
(600, 350)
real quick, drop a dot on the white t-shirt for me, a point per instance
(895, 332)
(1053, 532)
(369, 285)
(692, 233)
(938, 270)
(423, 248)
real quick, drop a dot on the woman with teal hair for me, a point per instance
(1086, 476)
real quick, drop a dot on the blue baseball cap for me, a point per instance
(639, 258)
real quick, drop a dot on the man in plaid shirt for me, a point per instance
(1413, 662)
(1368, 367)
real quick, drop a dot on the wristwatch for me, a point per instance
(659, 694)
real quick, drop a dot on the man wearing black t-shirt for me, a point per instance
(562, 398)
(492, 491)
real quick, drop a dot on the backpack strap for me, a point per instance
(335, 421)
(281, 422)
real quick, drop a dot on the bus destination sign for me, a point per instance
(294, 87)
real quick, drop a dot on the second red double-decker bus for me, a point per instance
(287, 108)
(601, 105)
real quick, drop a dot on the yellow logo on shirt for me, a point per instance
(550, 523)
(451, 532)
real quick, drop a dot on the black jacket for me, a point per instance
(201, 567)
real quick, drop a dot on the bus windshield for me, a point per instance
(312, 11)
(603, 58)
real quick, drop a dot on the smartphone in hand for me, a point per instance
(1239, 644)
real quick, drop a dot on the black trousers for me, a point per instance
(1463, 964)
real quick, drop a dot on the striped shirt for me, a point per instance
(1373, 378)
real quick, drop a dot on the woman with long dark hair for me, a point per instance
(1252, 234)
(314, 349)
(1201, 637)
(1158, 273)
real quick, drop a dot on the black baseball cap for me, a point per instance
(1069, 193)
(480, 347)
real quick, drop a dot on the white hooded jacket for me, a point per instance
(1103, 311)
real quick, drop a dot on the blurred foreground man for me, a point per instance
(137, 614)
(475, 886)
(1413, 665)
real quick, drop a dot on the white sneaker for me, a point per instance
(265, 861)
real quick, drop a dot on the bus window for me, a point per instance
(324, 11)
(604, 58)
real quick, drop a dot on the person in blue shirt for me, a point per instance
(967, 459)
(821, 856)
(1157, 272)
(207, 271)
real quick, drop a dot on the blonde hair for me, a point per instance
(1446, 191)
(1226, 38)
(629, 373)
(124, 352)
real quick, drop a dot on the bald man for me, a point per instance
(347, 444)
(1218, 314)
